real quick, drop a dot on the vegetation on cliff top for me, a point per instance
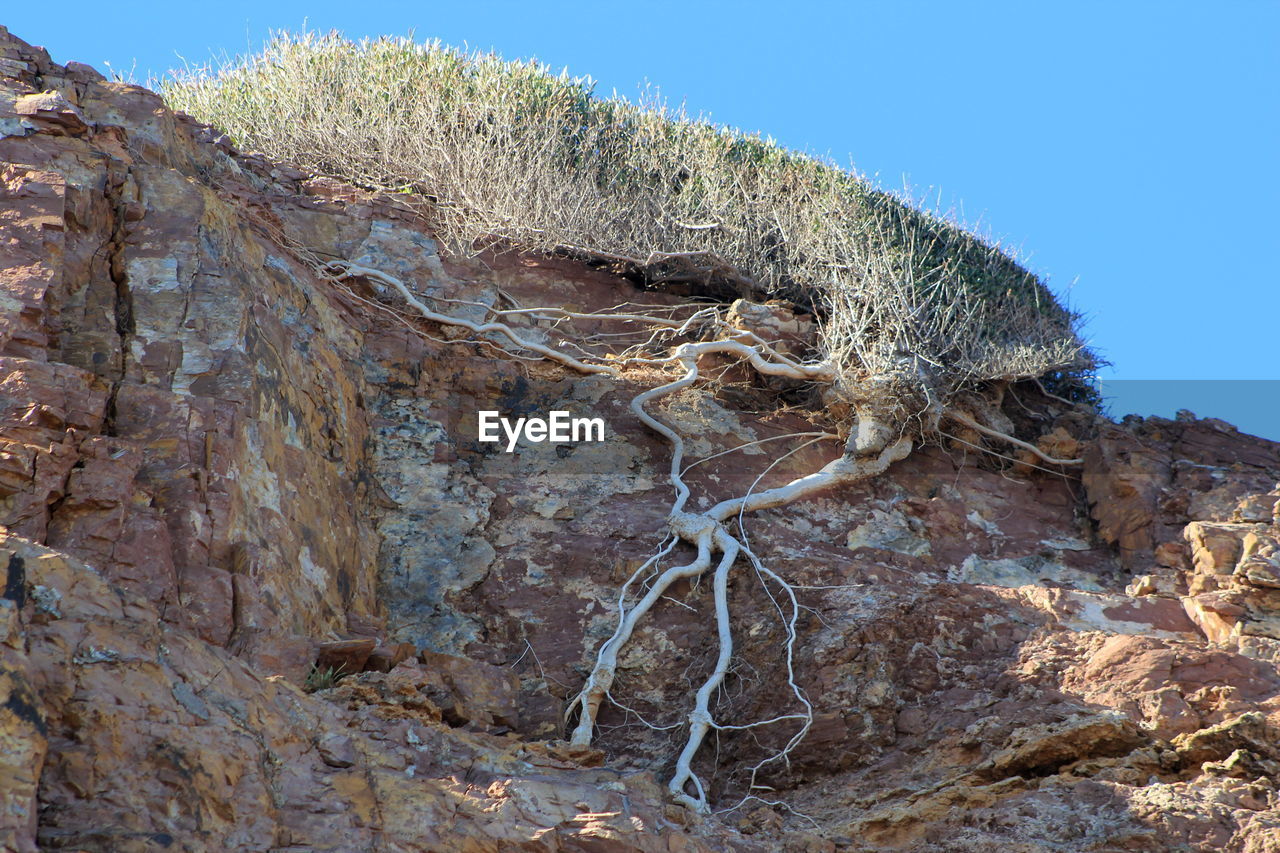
(511, 155)
(918, 317)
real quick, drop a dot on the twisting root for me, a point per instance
(706, 532)
(871, 454)
(962, 418)
(601, 680)
(342, 269)
(700, 717)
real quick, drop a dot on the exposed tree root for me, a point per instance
(874, 446)
(963, 418)
(342, 269)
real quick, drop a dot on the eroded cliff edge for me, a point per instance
(213, 461)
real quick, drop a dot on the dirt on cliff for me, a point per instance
(265, 589)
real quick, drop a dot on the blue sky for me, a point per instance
(1127, 150)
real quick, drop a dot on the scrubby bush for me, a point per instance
(914, 311)
(509, 154)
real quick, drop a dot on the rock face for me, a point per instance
(265, 589)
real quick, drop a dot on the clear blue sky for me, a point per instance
(1129, 150)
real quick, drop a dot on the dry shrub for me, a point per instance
(913, 309)
(512, 155)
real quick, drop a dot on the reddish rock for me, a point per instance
(477, 692)
(210, 456)
(1124, 480)
(53, 111)
(344, 657)
(386, 658)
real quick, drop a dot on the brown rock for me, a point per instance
(385, 658)
(1215, 614)
(188, 762)
(23, 728)
(1260, 560)
(336, 750)
(344, 656)
(912, 721)
(1215, 548)
(1124, 480)
(1174, 555)
(1046, 748)
(477, 692)
(216, 456)
(1060, 444)
(52, 110)
(1248, 732)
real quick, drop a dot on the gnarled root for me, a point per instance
(871, 449)
(707, 534)
(342, 269)
(961, 417)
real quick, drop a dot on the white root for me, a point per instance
(706, 532)
(962, 418)
(838, 472)
(700, 717)
(342, 269)
(869, 456)
(601, 679)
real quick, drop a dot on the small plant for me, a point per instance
(322, 679)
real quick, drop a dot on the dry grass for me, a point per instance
(507, 153)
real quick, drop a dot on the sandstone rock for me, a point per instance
(386, 658)
(336, 750)
(1215, 614)
(476, 692)
(1167, 713)
(1044, 749)
(1248, 732)
(53, 110)
(1115, 614)
(1260, 560)
(1144, 585)
(1215, 548)
(23, 729)
(1060, 444)
(892, 531)
(211, 458)
(1124, 480)
(1242, 764)
(1174, 555)
(772, 322)
(1147, 481)
(1257, 508)
(344, 656)
(210, 752)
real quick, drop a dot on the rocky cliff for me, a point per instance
(266, 590)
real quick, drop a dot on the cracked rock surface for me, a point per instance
(217, 468)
